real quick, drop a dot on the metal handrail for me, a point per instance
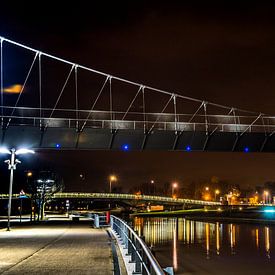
(145, 262)
(28, 108)
(104, 122)
(134, 197)
(126, 197)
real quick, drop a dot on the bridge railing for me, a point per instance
(66, 118)
(149, 198)
(134, 197)
(141, 255)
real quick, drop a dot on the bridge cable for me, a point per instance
(62, 90)
(143, 109)
(129, 107)
(175, 112)
(92, 108)
(217, 126)
(40, 89)
(76, 97)
(118, 78)
(196, 112)
(205, 116)
(1, 85)
(161, 113)
(111, 101)
(22, 89)
(249, 127)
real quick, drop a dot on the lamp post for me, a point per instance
(217, 192)
(152, 187)
(12, 162)
(29, 175)
(266, 198)
(111, 178)
(174, 185)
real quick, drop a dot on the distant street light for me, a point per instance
(152, 185)
(266, 198)
(174, 185)
(111, 179)
(29, 174)
(12, 162)
(217, 192)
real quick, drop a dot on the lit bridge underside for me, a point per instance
(125, 197)
(58, 104)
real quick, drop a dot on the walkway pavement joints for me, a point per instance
(55, 249)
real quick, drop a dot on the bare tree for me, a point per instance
(42, 186)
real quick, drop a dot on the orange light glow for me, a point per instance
(207, 197)
(13, 89)
(29, 174)
(175, 185)
(113, 178)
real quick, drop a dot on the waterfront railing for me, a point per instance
(140, 254)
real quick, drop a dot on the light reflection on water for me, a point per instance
(177, 239)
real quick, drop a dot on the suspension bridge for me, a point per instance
(48, 102)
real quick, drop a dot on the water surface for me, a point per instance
(195, 247)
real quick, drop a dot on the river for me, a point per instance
(195, 247)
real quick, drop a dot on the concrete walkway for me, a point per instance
(55, 249)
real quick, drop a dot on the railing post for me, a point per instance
(140, 254)
(138, 261)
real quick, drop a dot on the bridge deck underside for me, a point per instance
(106, 139)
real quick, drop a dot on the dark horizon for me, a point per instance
(217, 52)
(135, 168)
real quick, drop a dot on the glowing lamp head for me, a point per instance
(113, 178)
(175, 185)
(29, 174)
(246, 149)
(24, 151)
(4, 150)
(125, 147)
(188, 148)
(57, 145)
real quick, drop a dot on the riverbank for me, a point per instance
(249, 215)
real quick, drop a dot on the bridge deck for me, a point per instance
(136, 140)
(131, 197)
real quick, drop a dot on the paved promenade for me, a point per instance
(55, 249)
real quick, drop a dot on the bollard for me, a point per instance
(108, 215)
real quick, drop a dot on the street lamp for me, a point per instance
(29, 174)
(174, 185)
(217, 192)
(111, 178)
(152, 186)
(266, 199)
(12, 162)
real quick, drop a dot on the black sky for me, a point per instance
(219, 52)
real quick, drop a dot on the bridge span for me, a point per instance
(58, 104)
(126, 197)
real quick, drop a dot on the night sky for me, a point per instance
(223, 53)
